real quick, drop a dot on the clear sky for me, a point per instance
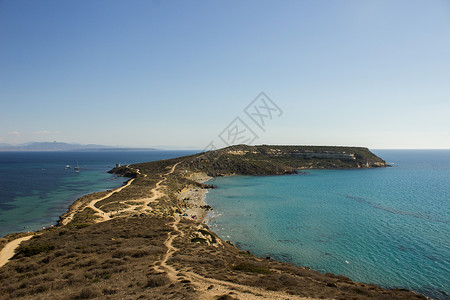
(176, 73)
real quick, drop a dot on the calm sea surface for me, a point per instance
(389, 226)
(36, 188)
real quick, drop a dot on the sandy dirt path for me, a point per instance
(156, 194)
(155, 191)
(145, 201)
(8, 251)
(209, 288)
(91, 204)
(101, 213)
(162, 265)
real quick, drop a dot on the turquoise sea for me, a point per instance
(36, 187)
(389, 226)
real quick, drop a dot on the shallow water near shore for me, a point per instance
(388, 226)
(36, 187)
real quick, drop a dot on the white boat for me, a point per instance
(67, 167)
(77, 167)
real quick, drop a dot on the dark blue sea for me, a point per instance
(389, 226)
(36, 187)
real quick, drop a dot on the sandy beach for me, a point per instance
(194, 198)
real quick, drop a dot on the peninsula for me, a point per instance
(140, 241)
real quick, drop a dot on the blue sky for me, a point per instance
(176, 73)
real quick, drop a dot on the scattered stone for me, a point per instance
(331, 284)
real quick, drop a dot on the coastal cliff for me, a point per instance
(271, 160)
(147, 240)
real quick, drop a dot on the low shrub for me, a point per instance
(198, 240)
(111, 263)
(252, 268)
(26, 267)
(87, 293)
(109, 291)
(27, 251)
(206, 233)
(156, 281)
(136, 253)
(79, 225)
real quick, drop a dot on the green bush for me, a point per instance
(248, 267)
(87, 293)
(206, 233)
(31, 250)
(79, 225)
(198, 240)
(156, 281)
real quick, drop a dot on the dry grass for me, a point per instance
(87, 215)
(117, 258)
(111, 207)
(12, 236)
(87, 261)
(141, 188)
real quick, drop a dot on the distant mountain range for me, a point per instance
(58, 146)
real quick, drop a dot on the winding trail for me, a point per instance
(156, 194)
(8, 251)
(162, 266)
(209, 288)
(91, 204)
(105, 216)
(155, 191)
(100, 212)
